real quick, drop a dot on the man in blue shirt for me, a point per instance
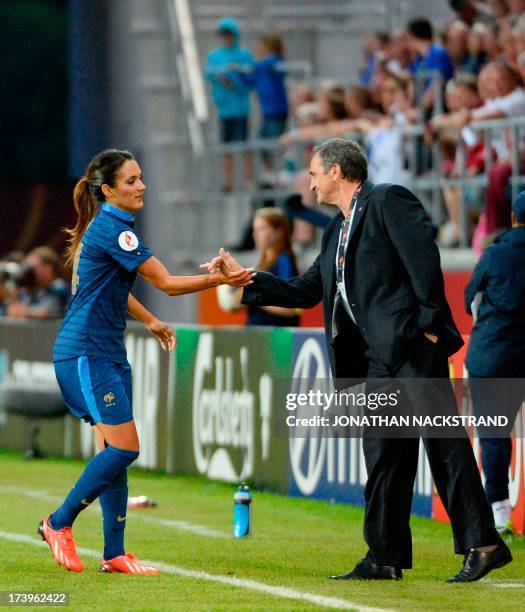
(431, 59)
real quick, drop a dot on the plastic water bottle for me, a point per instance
(242, 512)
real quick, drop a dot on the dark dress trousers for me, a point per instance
(395, 289)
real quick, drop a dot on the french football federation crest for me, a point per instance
(109, 398)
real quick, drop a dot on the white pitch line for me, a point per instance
(283, 592)
(200, 530)
(182, 526)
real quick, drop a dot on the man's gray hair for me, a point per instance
(347, 154)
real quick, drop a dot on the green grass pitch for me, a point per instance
(296, 544)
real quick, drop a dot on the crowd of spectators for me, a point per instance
(32, 286)
(470, 71)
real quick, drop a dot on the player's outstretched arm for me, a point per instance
(162, 331)
(156, 273)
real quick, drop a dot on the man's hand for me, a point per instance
(164, 334)
(227, 270)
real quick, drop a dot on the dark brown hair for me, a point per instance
(88, 195)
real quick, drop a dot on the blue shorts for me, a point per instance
(96, 389)
(234, 129)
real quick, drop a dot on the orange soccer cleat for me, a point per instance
(126, 564)
(61, 544)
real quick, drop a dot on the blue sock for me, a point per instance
(114, 503)
(96, 477)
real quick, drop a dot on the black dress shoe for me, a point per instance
(477, 564)
(368, 570)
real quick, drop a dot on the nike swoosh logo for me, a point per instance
(85, 502)
(121, 519)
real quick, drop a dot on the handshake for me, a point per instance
(226, 270)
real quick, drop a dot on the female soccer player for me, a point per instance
(90, 357)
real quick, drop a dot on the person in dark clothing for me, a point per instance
(497, 351)
(268, 79)
(386, 316)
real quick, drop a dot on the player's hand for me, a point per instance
(164, 334)
(238, 278)
(227, 270)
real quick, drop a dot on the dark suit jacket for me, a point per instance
(497, 342)
(393, 280)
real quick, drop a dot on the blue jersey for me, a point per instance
(104, 271)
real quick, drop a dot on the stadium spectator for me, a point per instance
(508, 101)
(516, 7)
(471, 11)
(503, 97)
(519, 35)
(271, 234)
(498, 9)
(502, 94)
(337, 114)
(461, 94)
(299, 95)
(330, 114)
(359, 102)
(497, 351)
(399, 56)
(491, 45)
(43, 294)
(225, 67)
(268, 79)
(10, 271)
(458, 48)
(376, 47)
(432, 60)
(476, 45)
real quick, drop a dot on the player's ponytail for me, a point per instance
(86, 208)
(88, 195)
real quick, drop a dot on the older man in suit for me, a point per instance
(386, 316)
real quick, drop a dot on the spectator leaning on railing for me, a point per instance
(461, 94)
(458, 48)
(502, 97)
(44, 293)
